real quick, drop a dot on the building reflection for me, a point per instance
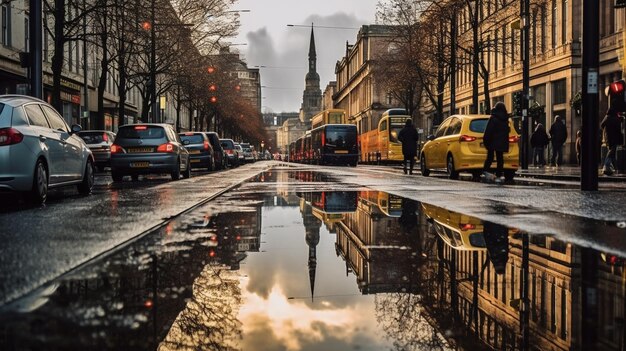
(480, 283)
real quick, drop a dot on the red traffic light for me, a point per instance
(146, 25)
(213, 99)
(212, 87)
(210, 69)
(238, 87)
(617, 87)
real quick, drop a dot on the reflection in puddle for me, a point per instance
(329, 270)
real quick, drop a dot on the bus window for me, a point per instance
(394, 130)
(335, 118)
(383, 126)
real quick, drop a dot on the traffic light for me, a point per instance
(616, 95)
(146, 25)
(517, 103)
(213, 99)
(210, 69)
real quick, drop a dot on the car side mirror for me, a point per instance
(76, 128)
(185, 142)
(430, 137)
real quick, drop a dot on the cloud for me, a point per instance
(286, 56)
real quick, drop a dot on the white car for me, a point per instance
(39, 151)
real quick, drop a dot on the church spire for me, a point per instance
(312, 54)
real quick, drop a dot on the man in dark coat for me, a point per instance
(539, 140)
(611, 125)
(496, 139)
(558, 135)
(408, 137)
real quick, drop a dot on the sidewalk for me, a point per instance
(567, 172)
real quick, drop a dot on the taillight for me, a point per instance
(513, 139)
(167, 147)
(467, 226)
(467, 138)
(116, 149)
(141, 127)
(206, 145)
(105, 137)
(10, 136)
(323, 139)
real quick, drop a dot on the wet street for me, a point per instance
(272, 256)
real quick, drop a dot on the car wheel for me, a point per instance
(210, 168)
(88, 179)
(187, 172)
(425, 171)
(39, 191)
(117, 177)
(452, 173)
(176, 173)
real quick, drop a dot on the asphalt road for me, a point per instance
(42, 243)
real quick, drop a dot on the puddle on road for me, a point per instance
(329, 270)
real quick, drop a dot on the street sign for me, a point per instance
(619, 4)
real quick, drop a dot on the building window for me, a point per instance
(6, 25)
(559, 92)
(564, 22)
(495, 48)
(503, 46)
(543, 28)
(513, 48)
(554, 22)
(534, 33)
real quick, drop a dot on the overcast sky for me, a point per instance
(284, 50)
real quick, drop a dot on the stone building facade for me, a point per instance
(555, 61)
(358, 92)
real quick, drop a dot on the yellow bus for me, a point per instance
(382, 144)
(331, 116)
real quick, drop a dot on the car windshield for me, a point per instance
(93, 137)
(227, 144)
(141, 132)
(193, 138)
(478, 125)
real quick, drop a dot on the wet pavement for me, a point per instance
(295, 260)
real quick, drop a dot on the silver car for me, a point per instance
(39, 151)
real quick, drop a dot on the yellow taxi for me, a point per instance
(457, 146)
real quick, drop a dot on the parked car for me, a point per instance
(99, 142)
(38, 151)
(219, 155)
(457, 147)
(148, 149)
(200, 149)
(231, 152)
(248, 152)
(240, 154)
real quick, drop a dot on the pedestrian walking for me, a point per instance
(579, 143)
(539, 140)
(496, 140)
(612, 128)
(558, 135)
(408, 137)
